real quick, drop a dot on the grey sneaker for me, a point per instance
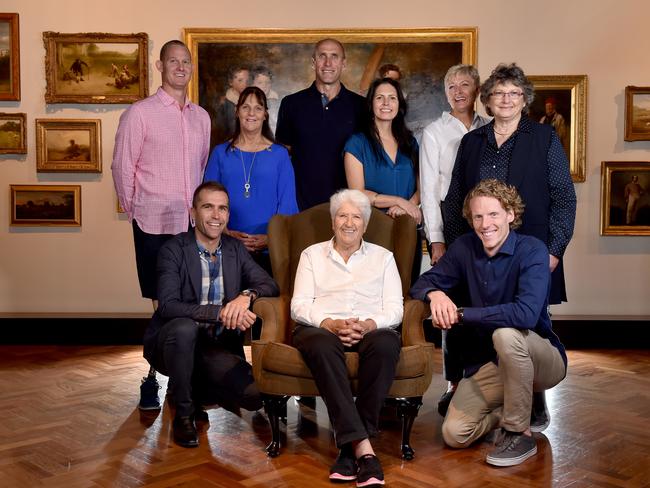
(540, 418)
(512, 449)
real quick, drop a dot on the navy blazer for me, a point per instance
(180, 276)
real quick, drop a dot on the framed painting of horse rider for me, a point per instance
(95, 67)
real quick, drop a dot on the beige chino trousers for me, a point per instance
(502, 395)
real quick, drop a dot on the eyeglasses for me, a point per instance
(512, 94)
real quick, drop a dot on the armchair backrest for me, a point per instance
(290, 235)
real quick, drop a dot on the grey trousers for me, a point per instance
(502, 395)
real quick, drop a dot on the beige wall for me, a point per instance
(92, 269)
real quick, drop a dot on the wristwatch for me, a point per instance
(249, 293)
(460, 311)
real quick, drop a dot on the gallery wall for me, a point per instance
(91, 269)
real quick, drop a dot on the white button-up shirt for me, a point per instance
(368, 286)
(438, 148)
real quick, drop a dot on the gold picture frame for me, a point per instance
(637, 113)
(13, 133)
(424, 55)
(625, 198)
(9, 57)
(96, 67)
(68, 145)
(569, 94)
(45, 205)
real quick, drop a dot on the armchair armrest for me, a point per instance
(415, 312)
(275, 318)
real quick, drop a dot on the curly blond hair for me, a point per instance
(507, 195)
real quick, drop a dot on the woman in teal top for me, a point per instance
(382, 161)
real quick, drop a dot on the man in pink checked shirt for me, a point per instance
(161, 148)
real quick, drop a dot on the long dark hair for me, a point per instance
(261, 99)
(401, 133)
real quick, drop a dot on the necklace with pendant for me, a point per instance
(247, 179)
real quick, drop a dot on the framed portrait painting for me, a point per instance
(279, 62)
(13, 133)
(9, 57)
(637, 113)
(561, 101)
(625, 198)
(96, 67)
(45, 205)
(68, 145)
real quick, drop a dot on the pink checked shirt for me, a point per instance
(158, 161)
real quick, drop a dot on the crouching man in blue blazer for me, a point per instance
(509, 349)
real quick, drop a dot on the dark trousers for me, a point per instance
(147, 247)
(324, 354)
(204, 370)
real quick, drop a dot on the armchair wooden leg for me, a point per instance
(408, 408)
(275, 407)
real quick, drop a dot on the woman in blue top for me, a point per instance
(257, 174)
(382, 161)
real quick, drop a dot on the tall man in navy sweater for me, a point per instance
(316, 122)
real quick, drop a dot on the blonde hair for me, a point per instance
(507, 196)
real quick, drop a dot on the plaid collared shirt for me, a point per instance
(211, 276)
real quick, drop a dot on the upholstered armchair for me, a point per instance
(278, 367)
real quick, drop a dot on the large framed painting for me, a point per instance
(637, 113)
(68, 145)
(46, 205)
(561, 101)
(279, 62)
(625, 198)
(9, 57)
(13, 133)
(96, 67)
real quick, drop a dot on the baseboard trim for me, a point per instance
(575, 333)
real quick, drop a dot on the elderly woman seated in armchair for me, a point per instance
(348, 297)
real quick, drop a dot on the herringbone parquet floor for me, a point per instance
(68, 418)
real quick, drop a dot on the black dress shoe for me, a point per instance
(201, 415)
(185, 432)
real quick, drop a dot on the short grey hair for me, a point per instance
(463, 69)
(508, 73)
(356, 198)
